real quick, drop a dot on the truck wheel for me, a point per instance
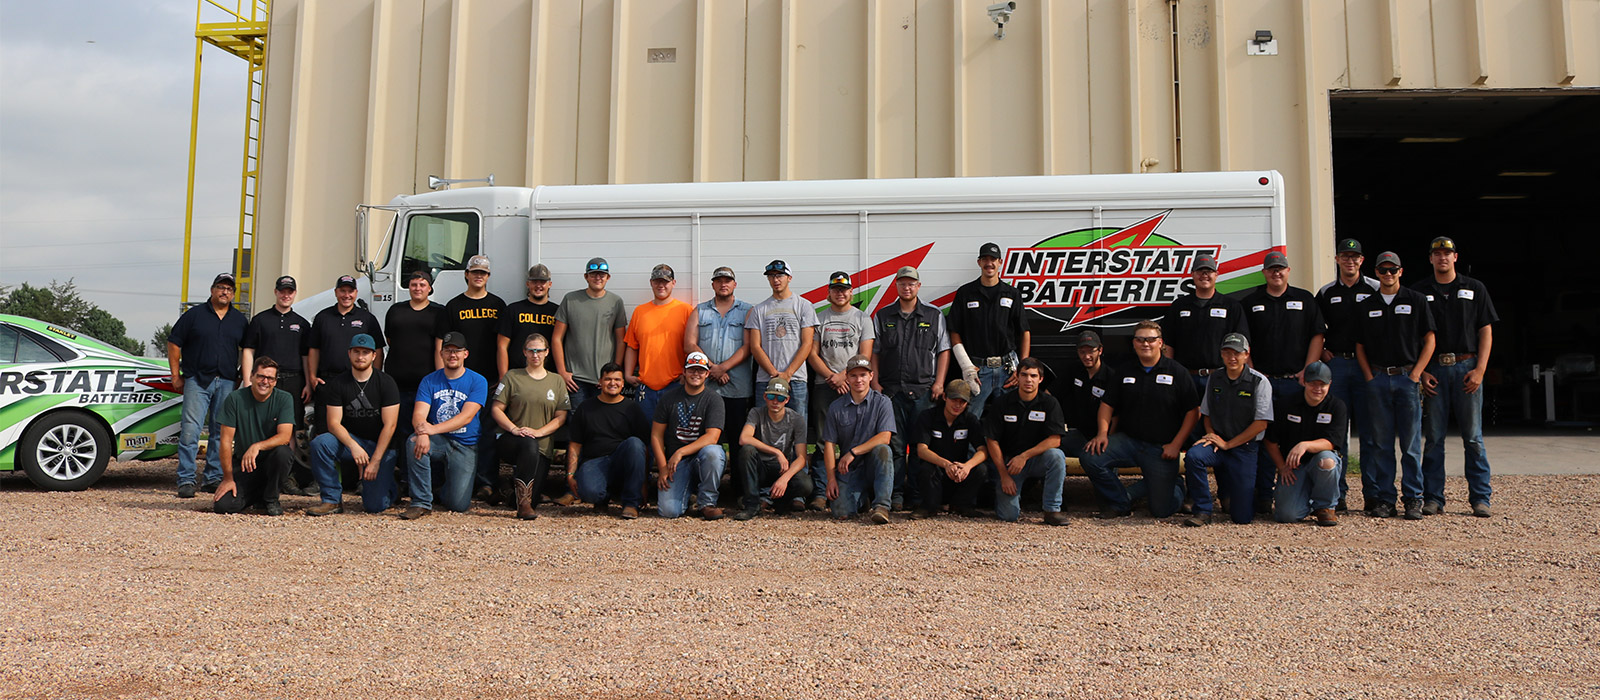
(64, 452)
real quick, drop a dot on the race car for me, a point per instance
(70, 403)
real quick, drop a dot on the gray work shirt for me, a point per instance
(1234, 404)
(849, 423)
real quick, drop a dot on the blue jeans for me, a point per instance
(1351, 388)
(907, 406)
(875, 469)
(201, 404)
(619, 474)
(1051, 466)
(585, 392)
(1160, 475)
(1266, 473)
(799, 393)
(703, 468)
(458, 462)
(993, 380)
(1241, 465)
(648, 398)
(1316, 486)
(1452, 399)
(1394, 412)
(327, 453)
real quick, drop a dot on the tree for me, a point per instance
(158, 342)
(61, 304)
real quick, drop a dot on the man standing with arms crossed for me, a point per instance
(1394, 344)
(1453, 382)
(285, 336)
(524, 317)
(716, 328)
(475, 314)
(859, 425)
(590, 323)
(1338, 300)
(203, 355)
(655, 339)
(1289, 329)
(255, 432)
(843, 331)
(988, 330)
(444, 421)
(363, 413)
(779, 333)
(909, 360)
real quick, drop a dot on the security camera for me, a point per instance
(1000, 14)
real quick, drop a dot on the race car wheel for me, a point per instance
(64, 452)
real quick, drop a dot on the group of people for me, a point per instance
(833, 409)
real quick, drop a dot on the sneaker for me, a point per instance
(1382, 510)
(1056, 518)
(414, 512)
(969, 512)
(325, 509)
(1480, 509)
(1325, 517)
(630, 513)
(897, 503)
(1342, 507)
(1197, 520)
(274, 509)
(818, 503)
(921, 514)
(1112, 514)
(711, 513)
(186, 490)
(1432, 508)
(880, 515)
(745, 514)
(1413, 509)
(211, 486)
(486, 494)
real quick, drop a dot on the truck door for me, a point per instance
(439, 242)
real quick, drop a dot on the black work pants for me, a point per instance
(936, 485)
(258, 486)
(756, 469)
(528, 463)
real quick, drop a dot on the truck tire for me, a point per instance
(64, 451)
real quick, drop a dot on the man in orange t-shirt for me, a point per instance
(655, 340)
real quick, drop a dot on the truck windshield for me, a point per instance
(439, 241)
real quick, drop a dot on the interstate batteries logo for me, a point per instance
(1094, 274)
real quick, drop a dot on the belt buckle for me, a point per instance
(1447, 359)
(994, 361)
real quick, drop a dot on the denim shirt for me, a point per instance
(720, 336)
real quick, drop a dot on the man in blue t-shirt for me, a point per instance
(445, 419)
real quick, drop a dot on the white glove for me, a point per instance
(968, 371)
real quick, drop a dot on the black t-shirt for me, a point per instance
(1338, 304)
(1283, 327)
(686, 417)
(363, 402)
(479, 321)
(1083, 394)
(1299, 422)
(411, 339)
(284, 337)
(1150, 403)
(601, 426)
(1018, 425)
(1391, 333)
(331, 332)
(521, 319)
(991, 320)
(1194, 328)
(953, 441)
(210, 345)
(1459, 310)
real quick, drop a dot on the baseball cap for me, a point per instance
(1235, 341)
(958, 389)
(1090, 339)
(1205, 261)
(362, 340)
(597, 265)
(539, 273)
(1389, 256)
(345, 281)
(779, 267)
(1442, 243)
(478, 262)
(419, 274)
(1318, 372)
(723, 271)
(857, 362)
(285, 282)
(1275, 259)
(989, 250)
(662, 272)
(908, 271)
(453, 338)
(224, 278)
(778, 386)
(1349, 245)
(697, 359)
(839, 279)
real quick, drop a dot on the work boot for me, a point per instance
(1480, 509)
(880, 515)
(1197, 520)
(524, 495)
(1057, 518)
(325, 509)
(1325, 517)
(1432, 508)
(1413, 509)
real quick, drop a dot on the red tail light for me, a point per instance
(161, 382)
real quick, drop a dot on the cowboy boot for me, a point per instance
(524, 491)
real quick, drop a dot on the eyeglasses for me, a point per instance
(271, 379)
(535, 351)
(775, 397)
(452, 350)
(1388, 270)
(1146, 338)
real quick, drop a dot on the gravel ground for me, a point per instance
(125, 591)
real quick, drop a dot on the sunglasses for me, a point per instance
(535, 351)
(1386, 270)
(778, 267)
(602, 267)
(775, 397)
(1146, 338)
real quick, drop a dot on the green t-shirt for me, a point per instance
(591, 339)
(252, 420)
(531, 403)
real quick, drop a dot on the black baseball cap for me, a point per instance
(1275, 259)
(419, 274)
(286, 282)
(224, 278)
(453, 338)
(839, 279)
(1349, 245)
(1318, 372)
(1205, 261)
(1089, 339)
(1442, 243)
(989, 250)
(778, 267)
(1389, 256)
(345, 281)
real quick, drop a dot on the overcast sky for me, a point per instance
(94, 132)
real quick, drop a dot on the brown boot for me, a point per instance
(524, 491)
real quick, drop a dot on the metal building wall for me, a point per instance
(366, 98)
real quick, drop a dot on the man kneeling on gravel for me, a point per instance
(1236, 409)
(445, 418)
(1314, 426)
(256, 423)
(772, 453)
(1022, 431)
(362, 410)
(606, 447)
(859, 426)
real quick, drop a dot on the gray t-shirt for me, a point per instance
(784, 434)
(779, 323)
(839, 334)
(591, 339)
(687, 417)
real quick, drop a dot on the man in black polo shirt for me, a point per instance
(1023, 432)
(1236, 409)
(949, 441)
(1086, 383)
(1288, 333)
(1393, 346)
(203, 354)
(524, 317)
(1338, 300)
(1453, 382)
(475, 314)
(909, 360)
(1193, 326)
(1307, 444)
(1154, 404)
(332, 329)
(285, 336)
(988, 330)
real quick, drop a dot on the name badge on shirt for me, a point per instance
(1129, 380)
(1078, 382)
(973, 304)
(1259, 307)
(1430, 297)
(356, 323)
(1335, 300)
(938, 434)
(1097, 391)
(1183, 314)
(1006, 302)
(1163, 379)
(1293, 418)
(1036, 416)
(1362, 297)
(1010, 418)
(1295, 305)
(1324, 417)
(1219, 313)
(961, 434)
(1403, 308)
(1375, 313)
(1464, 294)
